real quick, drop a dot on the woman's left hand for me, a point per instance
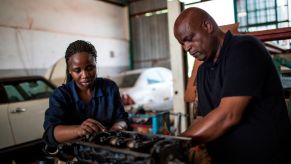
(120, 125)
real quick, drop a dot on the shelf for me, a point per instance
(270, 35)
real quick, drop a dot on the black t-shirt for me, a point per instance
(245, 68)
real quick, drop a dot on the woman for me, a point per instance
(85, 104)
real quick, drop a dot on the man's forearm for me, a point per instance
(210, 127)
(220, 119)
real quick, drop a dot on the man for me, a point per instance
(190, 92)
(240, 95)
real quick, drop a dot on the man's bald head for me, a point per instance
(193, 16)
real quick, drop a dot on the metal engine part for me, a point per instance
(124, 147)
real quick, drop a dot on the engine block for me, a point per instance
(128, 147)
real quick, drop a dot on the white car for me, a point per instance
(23, 102)
(149, 88)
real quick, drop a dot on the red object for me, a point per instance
(127, 100)
(141, 128)
(273, 34)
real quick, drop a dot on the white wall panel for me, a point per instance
(35, 33)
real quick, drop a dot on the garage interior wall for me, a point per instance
(149, 33)
(35, 33)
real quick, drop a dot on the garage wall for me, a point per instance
(149, 33)
(150, 50)
(35, 33)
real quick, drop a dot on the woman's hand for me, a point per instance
(120, 125)
(88, 127)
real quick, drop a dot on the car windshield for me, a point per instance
(126, 81)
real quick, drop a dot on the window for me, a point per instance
(27, 90)
(13, 94)
(153, 77)
(255, 15)
(3, 96)
(126, 81)
(36, 89)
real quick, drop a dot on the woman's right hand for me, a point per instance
(88, 127)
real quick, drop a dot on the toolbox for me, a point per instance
(151, 122)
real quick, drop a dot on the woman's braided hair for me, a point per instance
(76, 47)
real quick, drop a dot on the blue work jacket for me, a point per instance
(67, 108)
